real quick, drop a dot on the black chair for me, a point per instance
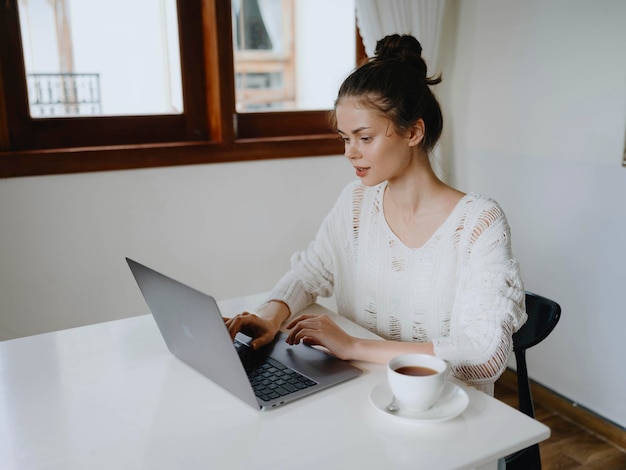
(543, 315)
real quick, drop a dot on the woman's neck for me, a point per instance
(416, 191)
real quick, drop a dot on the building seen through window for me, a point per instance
(78, 63)
(284, 59)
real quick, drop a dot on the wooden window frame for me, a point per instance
(209, 131)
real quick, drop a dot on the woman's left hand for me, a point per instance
(320, 330)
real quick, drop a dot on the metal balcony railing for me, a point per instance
(64, 94)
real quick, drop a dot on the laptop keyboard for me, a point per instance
(270, 378)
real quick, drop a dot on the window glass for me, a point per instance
(291, 55)
(101, 57)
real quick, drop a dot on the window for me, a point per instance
(270, 72)
(220, 106)
(76, 67)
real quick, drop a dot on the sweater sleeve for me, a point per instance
(489, 303)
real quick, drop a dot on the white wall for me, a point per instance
(226, 229)
(536, 108)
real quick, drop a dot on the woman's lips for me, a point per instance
(361, 171)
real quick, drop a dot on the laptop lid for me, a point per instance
(194, 331)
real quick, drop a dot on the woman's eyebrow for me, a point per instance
(355, 131)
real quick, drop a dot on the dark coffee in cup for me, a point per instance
(416, 371)
(416, 380)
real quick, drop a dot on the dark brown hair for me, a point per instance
(395, 82)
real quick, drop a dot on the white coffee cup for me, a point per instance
(417, 380)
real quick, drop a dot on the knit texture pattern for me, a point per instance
(461, 290)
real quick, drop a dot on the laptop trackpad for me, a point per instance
(314, 363)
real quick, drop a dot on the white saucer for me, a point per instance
(452, 402)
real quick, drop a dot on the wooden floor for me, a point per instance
(570, 446)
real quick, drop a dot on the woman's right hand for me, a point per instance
(262, 327)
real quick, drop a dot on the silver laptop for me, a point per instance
(194, 331)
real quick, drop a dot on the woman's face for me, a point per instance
(371, 143)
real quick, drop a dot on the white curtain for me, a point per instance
(420, 18)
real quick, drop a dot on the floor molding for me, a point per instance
(547, 398)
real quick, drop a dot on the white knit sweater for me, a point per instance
(461, 290)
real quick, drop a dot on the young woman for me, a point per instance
(423, 265)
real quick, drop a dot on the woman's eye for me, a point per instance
(366, 139)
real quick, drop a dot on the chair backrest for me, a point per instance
(543, 315)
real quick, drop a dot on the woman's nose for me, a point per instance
(350, 152)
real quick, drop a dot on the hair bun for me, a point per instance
(404, 48)
(399, 47)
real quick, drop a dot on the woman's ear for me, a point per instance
(417, 133)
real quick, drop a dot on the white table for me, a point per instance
(111, 396)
